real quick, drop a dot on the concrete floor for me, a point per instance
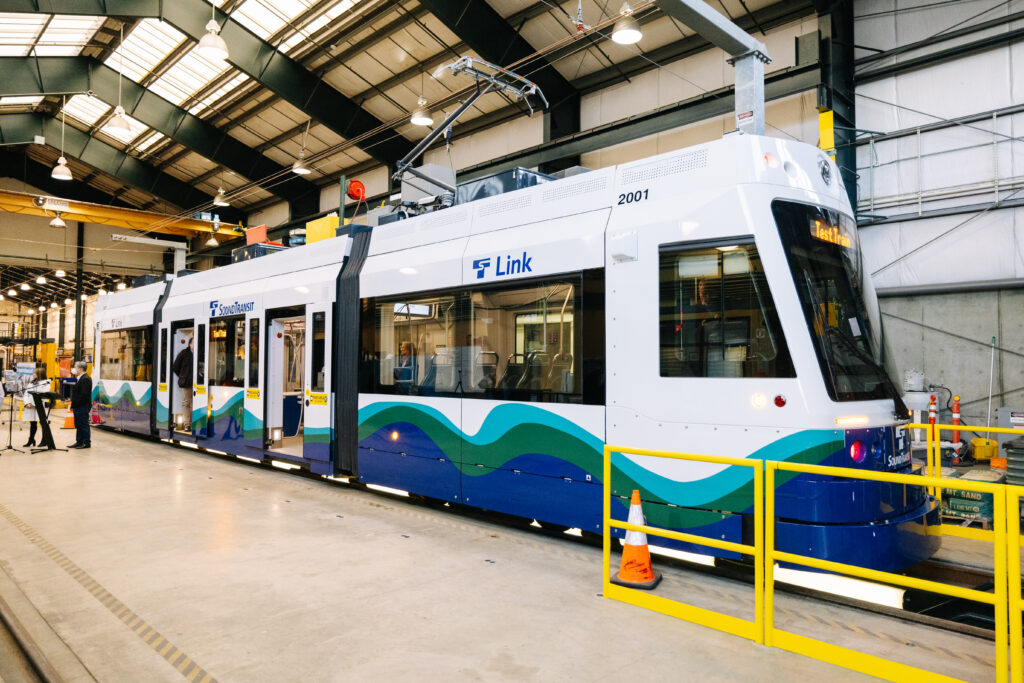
(157, 563)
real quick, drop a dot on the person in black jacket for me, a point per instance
(182, 367)
(81, 403)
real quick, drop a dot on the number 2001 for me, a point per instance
(631, 197)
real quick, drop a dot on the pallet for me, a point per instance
(968, 522)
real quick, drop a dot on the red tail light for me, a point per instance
(858, 451)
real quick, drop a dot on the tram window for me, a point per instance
(254, 353)
(524, 343)
(201, 357)
(318, 349)
(227, 351)
(111, 354)
(717, 316)
(163, 356)
(414, 346)
(125, 355)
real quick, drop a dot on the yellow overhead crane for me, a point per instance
(146, 221)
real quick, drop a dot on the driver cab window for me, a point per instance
(717, 317)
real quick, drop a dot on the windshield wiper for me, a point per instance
(902, 412)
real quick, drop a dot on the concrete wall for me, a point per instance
(948, 337)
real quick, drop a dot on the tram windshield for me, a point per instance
(837, 299)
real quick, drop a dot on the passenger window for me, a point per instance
(717, 316)
(523, 344)
(125, 354)
(415, 349)
(227, 352)
(254, 353)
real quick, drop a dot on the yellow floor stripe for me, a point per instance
(144, 631)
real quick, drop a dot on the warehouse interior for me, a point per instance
(140, 139)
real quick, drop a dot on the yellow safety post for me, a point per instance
(999, 571)
(1013, 580)
(769, 553)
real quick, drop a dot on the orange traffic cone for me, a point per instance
(636, 570)
(69, 420)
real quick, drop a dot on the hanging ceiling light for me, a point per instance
(61, 170)
(1, 297)
(299, 166)
(119, 122)
(41, 309)
(68, 302)
(421, 115)
(25, 287)
(58, 222)
(59, 273)
(627, 29)
(102, 292)
(221, 199)
(40, 280)
(53, 305)
(11, 292)
(84, 297)
(121, 285)
(212, 46)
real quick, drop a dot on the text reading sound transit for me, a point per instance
(218, 309)
(510, 266)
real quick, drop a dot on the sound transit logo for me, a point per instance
(217, 309)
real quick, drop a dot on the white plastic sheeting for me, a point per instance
(975, 164)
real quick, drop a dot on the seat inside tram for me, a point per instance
(508, 344)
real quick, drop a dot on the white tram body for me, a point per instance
(707, 300)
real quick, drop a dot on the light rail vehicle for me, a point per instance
(707, 300)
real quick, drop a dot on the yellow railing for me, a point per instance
(753, 628)
(1005, 599)
(933, 467)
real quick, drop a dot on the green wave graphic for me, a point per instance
(518, 430)
(99, 393)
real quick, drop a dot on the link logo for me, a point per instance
(217, 309)
(480, 265)
(503, 265)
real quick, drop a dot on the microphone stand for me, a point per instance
(10, 430)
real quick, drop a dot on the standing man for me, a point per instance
(183, 369)
(81, 402)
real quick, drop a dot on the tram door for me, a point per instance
(181, 333)
(286, 363)
(317, 426)
(181, 418)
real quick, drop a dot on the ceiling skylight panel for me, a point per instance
(145, 47)
(66, 35)
(337, 10)
(187, 76)
(304, 34)
(149, 141)
(86, 108)
(21, 101)
(220, 92)
(135, 129)
(18, 32)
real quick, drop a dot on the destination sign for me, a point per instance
(832, 234)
